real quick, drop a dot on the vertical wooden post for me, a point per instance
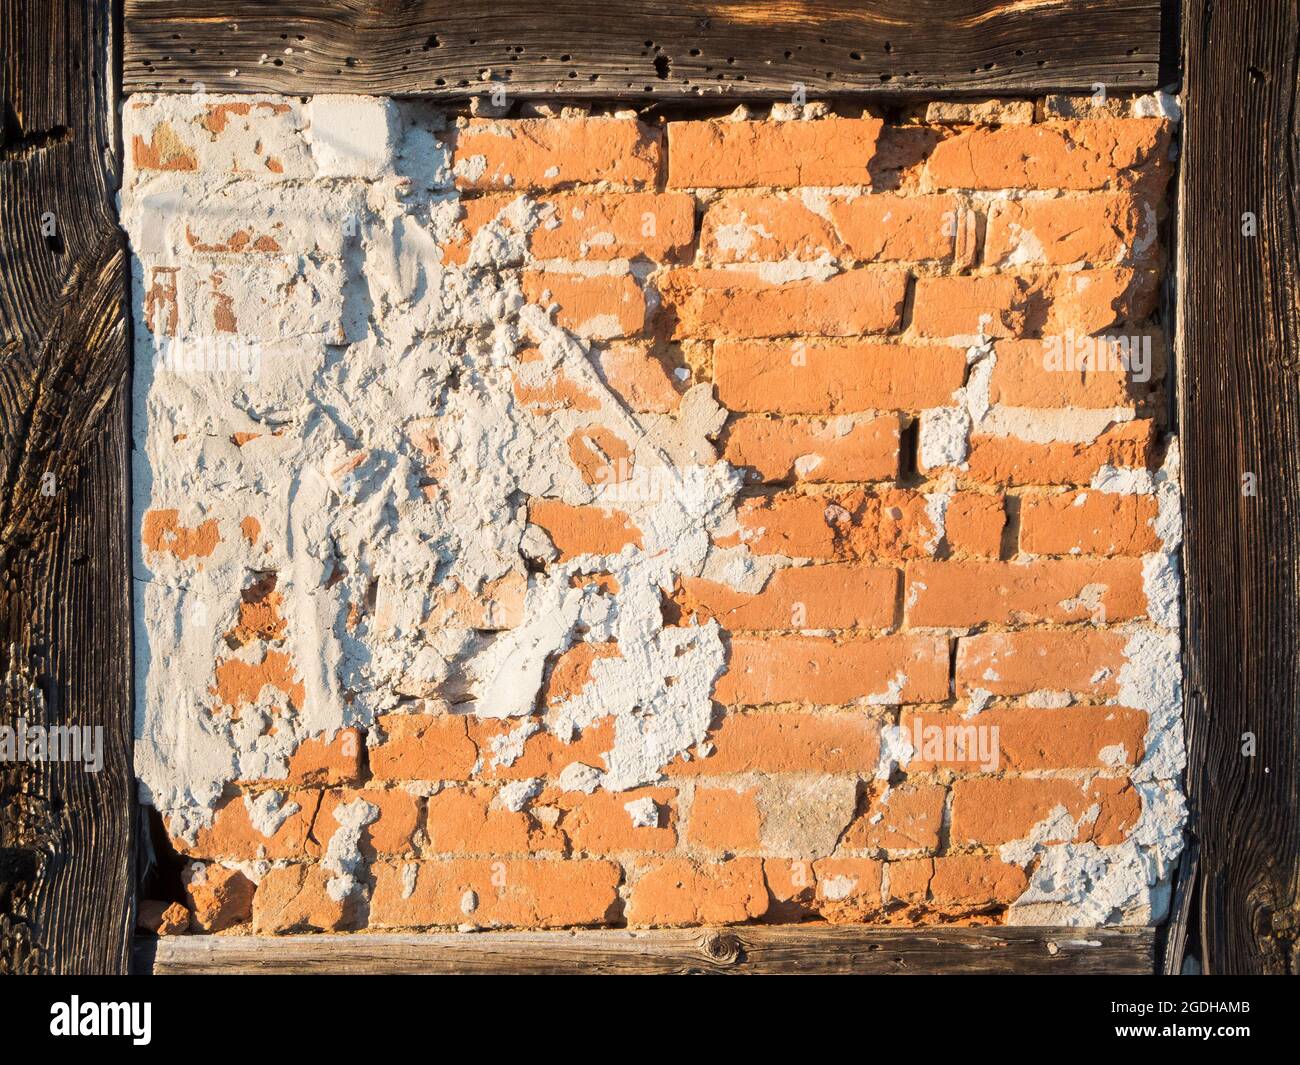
(1239, 341)
(66, 901)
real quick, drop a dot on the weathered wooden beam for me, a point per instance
(1239, 350)
(642, 48)
(65, 504)
(741, 950)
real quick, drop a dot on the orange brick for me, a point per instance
(322, 763)
(909, 881)
(296, 898)
(788, 743)
(815, 449)
(601, 456)
(600, 824)
(973, 524)
(544, 754)
(808, 669)
(832, 151)
(392, 832)
(677, 892)
(739, 303)
(163, 150)
(816, 378)
(1036, 373)
(993, 811)
(588, 227)
(469, 821)
(1089, 523)
(1062, 155)
(1093, 230)
(595, 306)
(423, 747)
(583, 530)
(232, 835)
(545, 153)
(218, 898)
(557, 392)
(570, 672)
(905, 818)
(724, 820)
(858, 524)
(1028, 738)
(970, 881)
(1088, 301)
(1014, 663)
(808, 597)
(848, 889)
(638, 378)
(1022, 593)
(879, 228)
(1005, 460)
(525, 893)
(995, 305)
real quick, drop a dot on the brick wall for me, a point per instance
(570, 519)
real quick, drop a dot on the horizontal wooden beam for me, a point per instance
(642, 48)
(745, 950)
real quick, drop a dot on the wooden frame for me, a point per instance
(66, 838)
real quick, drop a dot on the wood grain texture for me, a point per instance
(642, 48)
(749, 950)
(1239, 344)
(66, 902)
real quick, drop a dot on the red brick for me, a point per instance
(808, 669)
(1023, 593)
(423, 747)
(992, 811)
(805, 597)
(1089, 523)
(788, 743)
(877, 228)
(813, 378)
(815, 449)
(526, 893)
(1061, 155)
(832, 151)
(848, 889)
(739, 303)
(595, 306)
(1014, 663)
(545, 153)
(1030, 738)
(680, 892)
